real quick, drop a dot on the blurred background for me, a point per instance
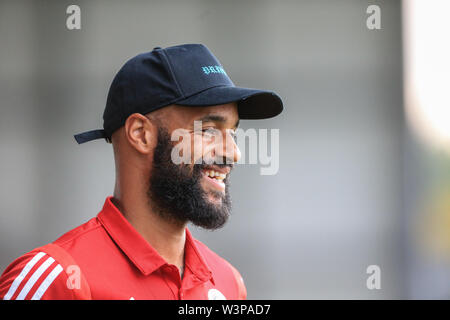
(364, 176)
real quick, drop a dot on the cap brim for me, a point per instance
(252, 103)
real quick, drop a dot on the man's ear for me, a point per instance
(140, 132)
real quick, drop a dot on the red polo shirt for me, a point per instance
(106, 258)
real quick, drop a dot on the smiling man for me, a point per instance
(139, 246)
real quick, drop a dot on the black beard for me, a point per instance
(176, 194)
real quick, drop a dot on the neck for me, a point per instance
(166, 237)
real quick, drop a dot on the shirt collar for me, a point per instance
(140, 252)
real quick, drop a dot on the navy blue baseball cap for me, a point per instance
(187, 75)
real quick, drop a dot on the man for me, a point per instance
(138, 246)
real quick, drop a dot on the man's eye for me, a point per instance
(203, 130)
(209, 131)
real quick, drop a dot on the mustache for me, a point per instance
(220, 162)
(205, 165)
(208, 165)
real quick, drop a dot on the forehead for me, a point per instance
(180, 116)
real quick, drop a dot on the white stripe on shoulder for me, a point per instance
(47, 282)
(16, 283)
(36, 275)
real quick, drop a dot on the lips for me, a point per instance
(215, 178)
(215, 174)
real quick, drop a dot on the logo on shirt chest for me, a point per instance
(214, 294)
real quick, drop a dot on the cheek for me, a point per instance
(197, 150)
(186, 151)
(202, 149)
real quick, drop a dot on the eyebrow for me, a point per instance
(215, 118)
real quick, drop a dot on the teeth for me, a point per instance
(216, 175)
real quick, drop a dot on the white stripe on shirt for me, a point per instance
(35, 277)
(47, 282)
(16, 283)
